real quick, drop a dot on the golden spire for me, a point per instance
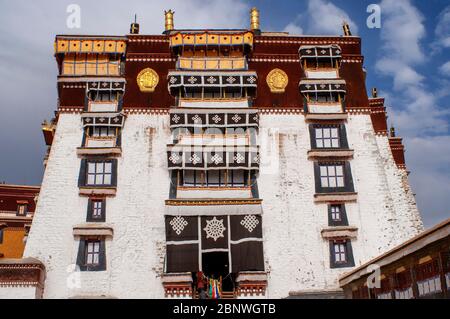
(134, 28)
(254, 19)
(374, 92)
(169, 19)
(346, 28)
(392, 131)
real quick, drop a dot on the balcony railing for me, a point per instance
(102, 106)
(109, 141)
(214, 139)
(322, 73)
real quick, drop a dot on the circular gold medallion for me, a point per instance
(147, 80)
(277, 80)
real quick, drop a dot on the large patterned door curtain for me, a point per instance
(189, 237)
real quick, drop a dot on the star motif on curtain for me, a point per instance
(176, 118)
(239, 158)
(178, 223)
(216, 159)
(211, 80)
(172, 80)
(251, 80)
(250, 222)
(197, 119)
(174, 158)
(214, 228)
(192, 80)
(236, 118)
(216, 119)
(231, 79)
(194, 159)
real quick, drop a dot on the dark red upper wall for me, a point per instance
(152, 51)
(10, 194)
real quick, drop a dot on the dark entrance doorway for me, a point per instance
(216, 265)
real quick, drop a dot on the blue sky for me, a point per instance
(407, 59)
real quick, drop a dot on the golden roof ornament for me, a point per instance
(392, 131)
(169, 20)
(134, 28)
(147, 80)
(374, 92)
(277, 80)
(346, 28)
(254, 19)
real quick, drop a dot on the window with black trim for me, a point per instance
(96, 136)
(341, 253)
(96, 210)
(337, 215)
(102, 131)
(1, 236)
(98, 173)
(328, 136)
(214, 178)
(333, 177)
(92, 254)
(21, 209)
(104, 95)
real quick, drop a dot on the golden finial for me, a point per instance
(374, 92)
(392, 131)
(346, 28)
(169, 19)
(134, 28)
(254, 19)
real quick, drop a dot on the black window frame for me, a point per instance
(25, 209)
(226, 180)
(90, 216)
(1, 235)
(83, 252)
(347, 175)
(87, 132)
(342, 136)
(349, 262)
(343, 221)
(83, 176)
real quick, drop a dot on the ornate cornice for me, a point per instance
(193, 202)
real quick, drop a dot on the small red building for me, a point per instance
(17, 206)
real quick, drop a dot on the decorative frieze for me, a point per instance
(214, 118)
(213, 157)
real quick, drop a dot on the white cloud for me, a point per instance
(442, 30)
(445, 69)
(402, 30)
(321, 17)
(403, 74)
(429, 157)
(293, 29)
(417, 113)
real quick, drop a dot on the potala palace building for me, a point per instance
(255, 157)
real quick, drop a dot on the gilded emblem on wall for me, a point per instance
(147, 80)
(277, 80)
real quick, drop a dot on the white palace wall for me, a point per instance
(296, 256)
